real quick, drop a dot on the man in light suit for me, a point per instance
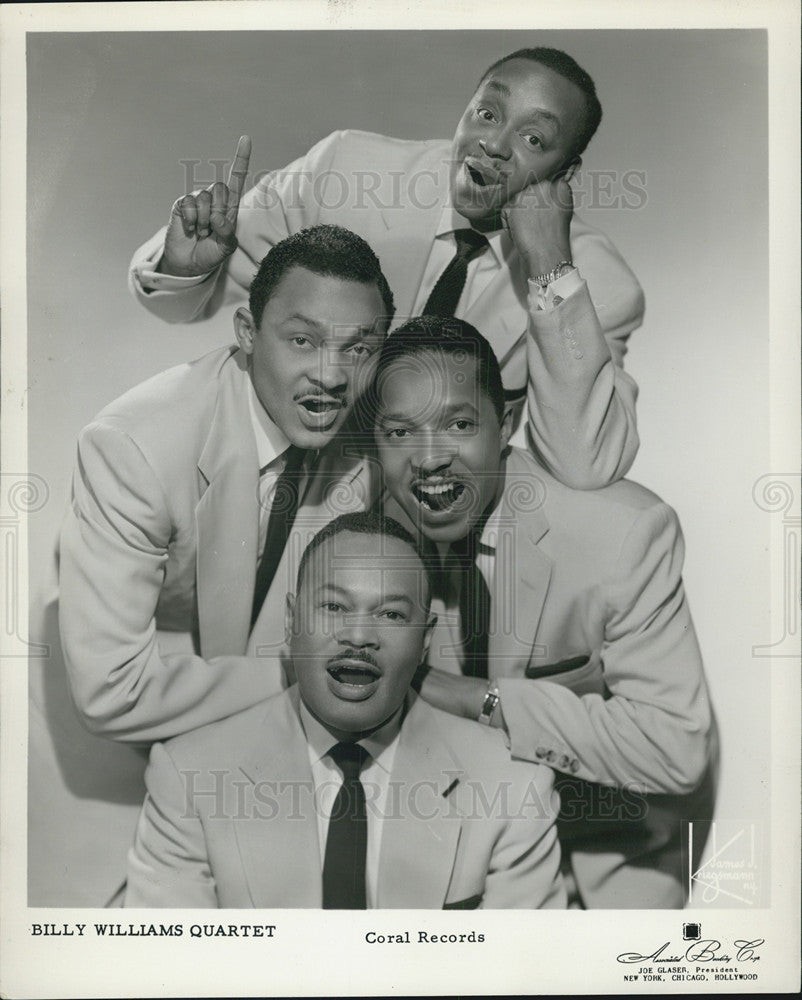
(264, 810)
(553, 295)
(168, 617)
(586, 656)
(177, 483)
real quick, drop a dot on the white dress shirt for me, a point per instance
(271, 447)
(381, 745)
(482, 269)
(446, 647)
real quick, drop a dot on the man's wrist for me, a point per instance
(473, 696)
(542, 261)
(546, 278)
(175, 271)
(490, 703)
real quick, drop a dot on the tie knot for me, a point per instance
(465, 548)
(470, 243)
(293, 461)
(294, 458)
(350, 758)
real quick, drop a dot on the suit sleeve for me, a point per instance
(113, 559)
(282, 202)
(651, 729)
(524, 871)
(581, 402)
(168, 865)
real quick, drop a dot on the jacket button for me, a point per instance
(540, 753)
(551, 756)
(564, 760)
(574, 766)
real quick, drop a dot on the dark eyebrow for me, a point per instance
(335, 590)
(536, 113)
(299, 317)
(408, 418)
(502, 88)
(459, 407)
(382, 415)
(361, 333)
(397, 599)
(331, 587)
(548, 115)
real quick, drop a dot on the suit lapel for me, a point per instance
(501, 311)
(421, 834)
(522, 572)
(279, 849)
(411, 230)
(280, 852)
(333, 488)
(227, 519)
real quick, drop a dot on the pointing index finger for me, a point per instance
(239, 171)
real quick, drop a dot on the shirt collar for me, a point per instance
(499, 239)
(271, 441)
(380, 744)
(489, 537)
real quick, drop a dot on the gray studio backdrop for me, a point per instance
(115, 120)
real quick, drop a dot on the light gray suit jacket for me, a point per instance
(468, 827)
(159, 551)
(601, 677)
(581, 403)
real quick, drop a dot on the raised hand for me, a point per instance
(202, 231)
(539, 221)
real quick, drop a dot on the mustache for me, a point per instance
(337, 396)
(354, 654)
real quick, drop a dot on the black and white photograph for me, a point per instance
(400, 499)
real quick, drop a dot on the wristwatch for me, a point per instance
(556, 272)
(489, 704)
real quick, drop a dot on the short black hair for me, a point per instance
(367, 523)
(563, 64)
(327, 250)
(443, 335)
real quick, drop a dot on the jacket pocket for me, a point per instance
(581, 674)
(470, 903)
(553, 669)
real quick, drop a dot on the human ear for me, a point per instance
(244, 329)
(570, 168)
(289, 615)
(427, 636)
(505, 431)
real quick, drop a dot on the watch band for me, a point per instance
(489, 704)
(556, 272)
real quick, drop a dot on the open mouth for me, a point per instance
(482, 178)
(353, 672)
(321, 405)
(320, 412)
(438, 497)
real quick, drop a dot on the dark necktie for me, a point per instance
(445, 295)
(347, 840)
(282, 515)
(474, 608)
